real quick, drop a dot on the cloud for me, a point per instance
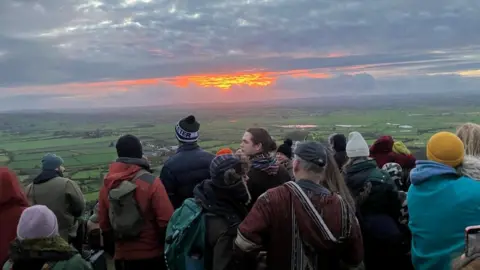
(137, 48)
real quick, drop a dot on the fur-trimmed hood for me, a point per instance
(48, 249)
(470, 167)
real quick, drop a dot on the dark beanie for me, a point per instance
(339, 142)
(129, 146)
(187, 129)
(286, 148)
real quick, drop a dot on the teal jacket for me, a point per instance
(441, 205)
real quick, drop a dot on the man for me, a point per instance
(148, 216)
(302, 224)
(62, 195)
(264, 171)
(189, 166)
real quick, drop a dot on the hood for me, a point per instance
(426, 169)
(11, 192)
(384, 144)
(124, 169)
(358, 172)
(48, 249)
(46, 175)
(471, 167)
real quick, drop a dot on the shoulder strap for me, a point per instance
(145, 176)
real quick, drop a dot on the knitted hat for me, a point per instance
(357, 146)
(51, 162)
(187, 129)
(400, 148)
(37, 222)
(396, 173)
(286, 148)
(129, 146)
(224, 151)
(446, 148)
(338, 142)
(220, 164)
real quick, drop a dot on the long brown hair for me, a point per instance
(335, 182)
(260, 135)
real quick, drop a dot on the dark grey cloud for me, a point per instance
(53, 42)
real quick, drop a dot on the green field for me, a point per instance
(86, 141)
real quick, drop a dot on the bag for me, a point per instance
(185, 239)
(124, 212)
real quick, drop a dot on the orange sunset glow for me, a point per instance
(224, 81)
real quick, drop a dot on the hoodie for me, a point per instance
(281, 217)
(12, 203)
(441, 205)
(382, 152)
(154, 205)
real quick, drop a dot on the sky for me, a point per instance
(114, 53)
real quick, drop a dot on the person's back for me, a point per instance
(61, 195)
(189, 166)
(12, 203)
(144, 250)
(38, 245)
(441, 204)
(261, 180)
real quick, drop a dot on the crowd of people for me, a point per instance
(306, 205)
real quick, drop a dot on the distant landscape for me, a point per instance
(86, 140)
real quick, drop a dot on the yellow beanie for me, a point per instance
(400, 148)
(446, 148)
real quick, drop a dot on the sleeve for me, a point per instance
(162, 207)
(75, 198)
(170, 185)
(249, 236)
(353, 255)
(103, 219)
(223, 253)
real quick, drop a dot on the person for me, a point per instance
(39, 246)
(148, 216)
(224, 151)
(264, 172)
(302, 223)
(12, 203)
(378, 206)
(398, 176)
(284, 156)
(441, 204)
(62, 195)
(189, 166)
(382, 152)
(225, 198)
(338, 142)
(469, 133)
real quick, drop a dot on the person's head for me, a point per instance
(186, 130)
(11, 191)
(224, 151)
(52, 162)
(37, 222)
(129, 146)
(356, 146)
(284, 151)
(469, 133)
(338, 142)
(309, 162)
(446, 148)
(396, 173)
(230, 171)
(335, 182)
(384, 144)
(256, 141)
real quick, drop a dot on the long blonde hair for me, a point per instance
(335, 181)
(469, 133)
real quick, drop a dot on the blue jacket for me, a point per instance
(184, 170)
(441, 205)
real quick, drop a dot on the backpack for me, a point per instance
(124, 212)
(185, 238)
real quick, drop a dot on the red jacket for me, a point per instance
(12, 203)
(382, 152)
(155, 205)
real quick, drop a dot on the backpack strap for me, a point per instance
(144, 176)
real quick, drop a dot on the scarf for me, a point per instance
(228, 202)
(265, 162)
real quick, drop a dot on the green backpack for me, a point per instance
(124, 212)
(185, 239)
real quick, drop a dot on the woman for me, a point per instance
(224, 198)
(378, 207)
(383, 152)
(12, 203)
(469, 133)
(284, 156)
(441, 204)
(39, 246)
